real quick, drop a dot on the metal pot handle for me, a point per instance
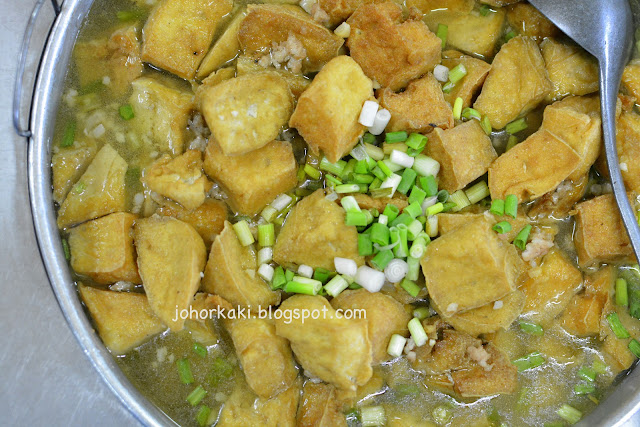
(22, 61)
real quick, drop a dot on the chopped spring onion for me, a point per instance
(407, 180)
(516, 126)
(68, 138)
(196, 395)
(428, 202)
(521, 239)
(417, 332)
(396, 270)
(383, 219)
(414, 229)
(512, 142)
(380, 122)
(502, 227)
(418, 248)
(532, 328)
(266, 272)
(301, 175)
(599, 367)
(382, 259)
(343, 30)
(402, 249)
(221, 370)
(269, 213)
(281, 202)
(416, 141)
(477, 192)
(303, 285)
(279, 279)
(184, 371)
(359, 219)
(368, 113)
(365, 246)
(432, 226)
(379, 193)
(448, 206)
(332, 182)
(429, 185)
(417, 195)
(126, 112)
(129, 15)
(511, 34)
(511, 205)
(411, 287)
(442, 33)
(485, 124)
(632, 277)
(373, 416)
(414, 268)
(336, 285)
(347, 188)
(393, 137)
(379, 234)
(396, 345)
(448, 87)
(369, 138)
(243, 232)
(569, 414)
(622, 295)
(392, 166)
(460, 199)
(321, 274)
(634, 347)
(426, 166)
(414, 210)
(385, 168)
(305, 271)
(422, 313)
(435, 209)
(202, 417)
(334, 168)
(402, 159)
(289, 275)
(358, 153)
(392, 182)
(441, 73)
(350, 204)
(497, 207)
(441, 414)
(456, 74)
(265, 255)
(443, 196)
(199, 349)
(584, 388)
(484, 10)
(470, 113)
(370, 279)
(457, 108)
(530, 361)
(66, 249)
(587, 373)
(375, 153)
(391, 212)
(266, 235)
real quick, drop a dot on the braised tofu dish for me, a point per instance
(348, 213)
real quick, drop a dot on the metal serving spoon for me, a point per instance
(605, 29)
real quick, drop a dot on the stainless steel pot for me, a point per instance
(618, 409)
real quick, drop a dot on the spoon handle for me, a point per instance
(609, 83)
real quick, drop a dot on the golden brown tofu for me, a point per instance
(334, 12)
(582, 316)
(420, 108)
(448, 222)
(328, 346)
(458, 6)
(117, 58)
(225, 49)
(200, 327)
(467, 87)
(368, 202)
(274, 164)
(267, 25)
(243, 408)
(517, 83)
(231, 270)
(599, 235)
(385, 317)
(315, 233)
(99, 191)
(161, 114)
(576, 121)
(462, 277)
(616, 350)
(103, 249)
(572, 71)
(523, 171)
(628, 141)
(171, 256)
(471, 33)
(180, 179)
(560, 202)
(208, 219)
(448, 354)
(68, 164)
(217, 77)
(527, 21)
(550, 287)
(319, 407)
(297, 82)
(124, 320)
(408, 47)
(327, 112)
(178, 34)
(464, 153)
(247, 112)
(631, 79)
(502, 378)
(266, 358)
(617, 353)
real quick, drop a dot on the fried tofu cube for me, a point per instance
(517, 83)
(103, 249)
(171, 256)
(420, 108)
(462, 277)
(124, 320)
(477, 71)
(315, 233)
(471, 33)
(320, 406)
(327, 112)
(328, 346)
(464, 153)
(266, 358)
(68, 164)
(297, 82)
(178, 34)
(99, 191)
(600, 235)
(367, 202)
(628, 141)
(230, 273)
(247, 112)
(571, 69)
(208, 218)
(385, 317)
(550, 287)
(408, 47)
(576, 121)
(457, 6)
(502, 378)
(631, 79)
(117, 58)
(528, 174)
(448, 222)
(528, 21)
(618, 355)
(267, 25)
(161, 114)
(448, 354)
(225, 49)
(274, 164)
(582, 316)
(217, 77)
(180, 179)
(561, 201)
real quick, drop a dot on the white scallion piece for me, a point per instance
(428, 202)
(441, 73)
(244, 233)
(396, 270)
(383, 219)
(350, 204)
(343, 30)
(345, 266)
(393, 167)
(424, 165)
(396, 345)
(332, 196)
(370, 279)
(373, 416)
(498, 305)
(380, 122)
(281, 202)
(417, 332)
(402, 159)
(359, 152)
(368, 113)
(336, 285)
(266, 272)
(432, 225)
(392, 182)
(375, 152)
(268, 213)
(305, 271)
(265, 255)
